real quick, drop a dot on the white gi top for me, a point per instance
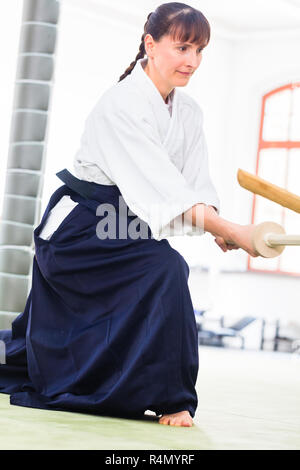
(154, 152)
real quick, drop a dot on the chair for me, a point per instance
(215, 336)
(286, 340)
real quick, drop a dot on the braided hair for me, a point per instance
(179, 20)
(140, 54)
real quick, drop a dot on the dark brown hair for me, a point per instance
(182, 22)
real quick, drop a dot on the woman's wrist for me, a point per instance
(206, 217)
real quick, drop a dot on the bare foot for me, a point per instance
(182, 418)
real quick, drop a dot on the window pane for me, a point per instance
(291, 222)
(295, 117)
(272, 165)
(295, 127)
(293, 180)
(290, 259)
(276, 118)
(266, 210)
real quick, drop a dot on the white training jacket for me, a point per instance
(155, 152)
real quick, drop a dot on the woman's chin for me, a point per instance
(181, 83)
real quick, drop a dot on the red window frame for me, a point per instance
(263, 144)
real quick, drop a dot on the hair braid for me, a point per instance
(140, 54)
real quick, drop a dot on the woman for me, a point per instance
(109, 325)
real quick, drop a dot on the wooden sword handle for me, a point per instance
(257, 185)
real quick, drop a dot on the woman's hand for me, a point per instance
(225, 246)
(228, 235)
(241, 237)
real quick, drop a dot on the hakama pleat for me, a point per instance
(108, 327)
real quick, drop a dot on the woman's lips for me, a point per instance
(184, 73)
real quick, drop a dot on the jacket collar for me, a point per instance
(140, 79)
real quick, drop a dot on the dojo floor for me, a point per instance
(247, 400)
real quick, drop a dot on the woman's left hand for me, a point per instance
(225, 246)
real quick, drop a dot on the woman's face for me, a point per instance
(173, 61)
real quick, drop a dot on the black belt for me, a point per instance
(86, 189)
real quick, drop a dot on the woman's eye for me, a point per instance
(184, 47)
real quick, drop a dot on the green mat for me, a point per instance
(247, 400)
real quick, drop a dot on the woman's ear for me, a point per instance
(149, 45)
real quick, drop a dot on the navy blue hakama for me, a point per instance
(108, 327)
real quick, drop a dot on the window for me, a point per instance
(278, 161)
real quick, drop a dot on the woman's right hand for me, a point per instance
(205, 217)
(241, 236)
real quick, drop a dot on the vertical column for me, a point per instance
(27, 154)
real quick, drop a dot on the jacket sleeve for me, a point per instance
(196, 166)
(130, 153)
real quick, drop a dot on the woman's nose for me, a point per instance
(194, 59)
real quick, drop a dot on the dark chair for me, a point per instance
(214, 337)
(279, 338)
